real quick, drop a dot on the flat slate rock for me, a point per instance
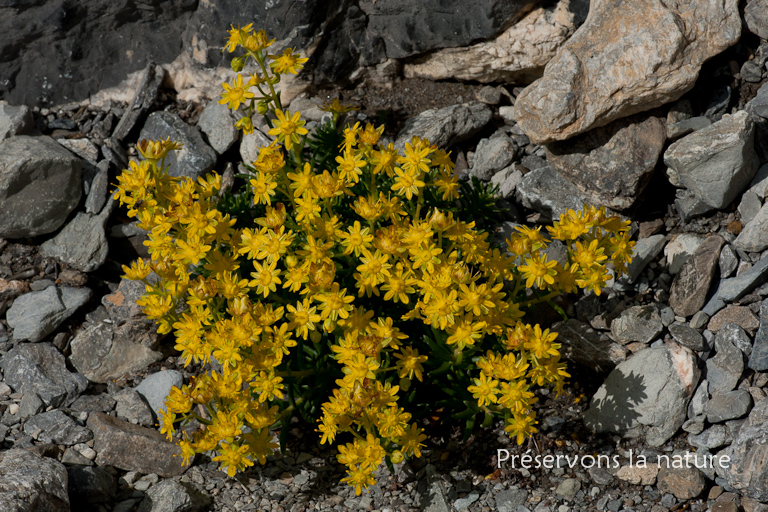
(725, 368)
(688, 293)
(194, 159)
(134, 448)
(35, 315)
(748, 470)
(55, 427)
(446, 126)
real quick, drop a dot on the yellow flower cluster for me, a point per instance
(325, 245)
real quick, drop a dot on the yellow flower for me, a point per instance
(484, 390)
(521, 426)
(350, 165)
(415, 160)
(409, 364)
(336, 107)
(538, 270)
(256, 41)
(288, 62)
(541, 345)
(235, 94)
(465, 332)
(157, 149)
(302, 318)
(407, 183)
(265, 278)
(288, 128)
(263, 187)
(355, 239)
(301, 181)
(236, 36)
(335, 303)
(139, 269)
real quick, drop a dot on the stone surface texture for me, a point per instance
(624, 59)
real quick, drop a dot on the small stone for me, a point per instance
(82, 244)
(683, 483)
(173, 496)
(132, 408)
(83, 148)
(699, 400)
(57, 428)
(725, 369)
(156, 387)
(15, 120)
(493, 155)
(510, 499)
(584, 346)
(549, 193)
(728, 261)
(680, 248)
(40, 368)
(638, 323)
(687, 337)
(645, 251)
(194, 159)
(758, 359)
(568, 488)
(686, 126)
(507, 180)
(689, 289)
(134, 448)
(739, 315)
(464, 503)
(36, 314)
(728, 406)
(218, 124)
(446, 126)
(710, 439)
(638, 475)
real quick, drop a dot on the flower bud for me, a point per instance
(237, 64)
(396, 457)
(262, 107)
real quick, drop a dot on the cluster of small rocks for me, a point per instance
(675, 353)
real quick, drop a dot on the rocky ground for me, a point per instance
(670, 360)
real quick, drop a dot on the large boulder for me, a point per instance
(646, 395)
(39, 186)
(627, 57)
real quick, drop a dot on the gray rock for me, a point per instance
(646, 395)
(747, 472)
(39, 186)
(82, 244)
(687, 337)
(584, 346)
(121, 305)
(758, 359)
(507, 180)
(35, 315)
(252, 144)
(728, 261)
(734, 288)
(690, 206)
(309, 108)
(689, 288)
(132, 408)
(699, 400)
(638, 323)
(712, 438)
(41, 369)
(30, 405)
(83, 148)
(55, 427)
(103, 352)
(15, 120)
(547, 192)
(493, 155)
(218, 124)
(446, 126)
(611, 165)
(93, 403)
(717, 162)
(756, 17)
(739, 315)
(90, 487)
(667, 316)
(680, 248)
(31, 483)
(509, 500)
(568, 488)
(465, 502)
(194, 159)
(156, 387)
(97, 195)
(758, 105)
(754, 236)
(728, 406)
(624, 59)
(133, 448)
(142, 101)
(686, 126)
(751, 72)
(759, 183)
(725, 369)
(694, 425)
(73, 457)
(685, 483)
(173, 496)
(645, 251)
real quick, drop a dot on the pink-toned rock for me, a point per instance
(638, 474)
(627, 57)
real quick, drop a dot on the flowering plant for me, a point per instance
(343, 284)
